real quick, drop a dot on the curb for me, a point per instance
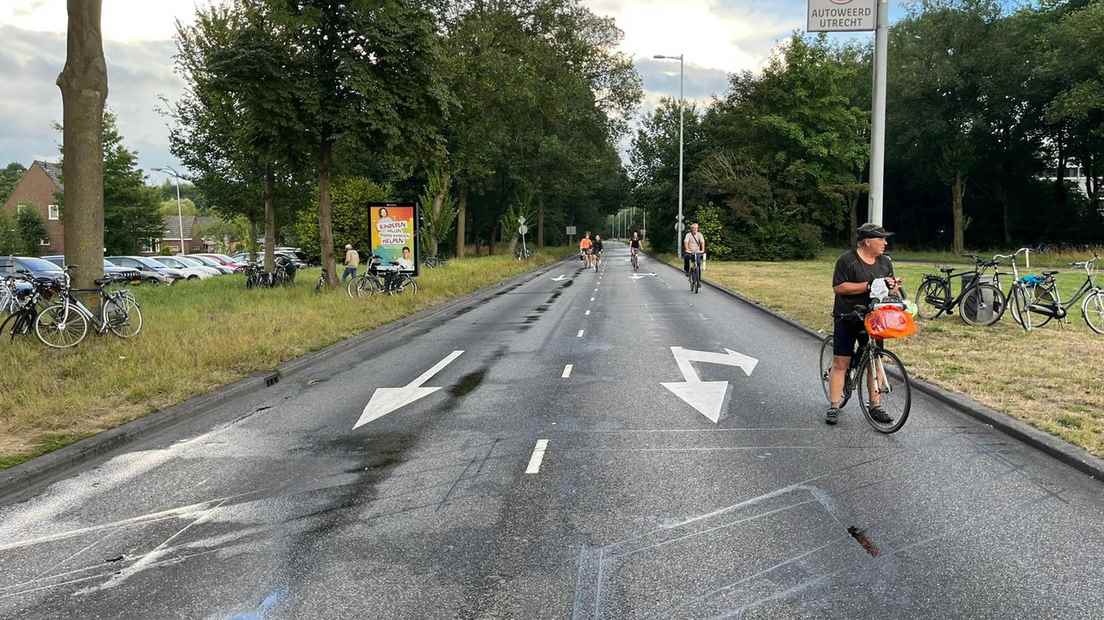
(1075, 457)
(39, 469)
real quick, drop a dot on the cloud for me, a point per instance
(122, 20)
(30, 102)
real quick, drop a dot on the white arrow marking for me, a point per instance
(708, 398)
(637, 276)
(386, 400)
(561, 278)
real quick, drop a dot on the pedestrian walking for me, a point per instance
(352, 259)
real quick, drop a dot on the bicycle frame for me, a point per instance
(945, 279)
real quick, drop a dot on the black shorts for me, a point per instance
(845, 334)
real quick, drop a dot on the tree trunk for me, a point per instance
(540, 223)
(270, 223)
(83, 84)
(957, 191)
(853, 208)
(491, 242)
(251, 243)
(461, 222)
(325, 211)
(1006, 216)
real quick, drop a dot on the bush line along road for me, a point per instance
(580, 445)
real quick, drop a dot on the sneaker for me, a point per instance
(832, 416)
(879, 415)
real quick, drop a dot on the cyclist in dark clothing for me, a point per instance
(597, 250)
(855, 273)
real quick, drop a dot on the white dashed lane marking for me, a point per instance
(538, 456)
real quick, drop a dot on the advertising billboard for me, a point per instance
(842, 15)
(395, 234)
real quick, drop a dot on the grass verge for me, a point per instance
(1049, 378)
(197, 337)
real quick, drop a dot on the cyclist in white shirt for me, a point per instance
(693, 248)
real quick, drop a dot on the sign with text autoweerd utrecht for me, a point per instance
(842, 15)
(395, 234)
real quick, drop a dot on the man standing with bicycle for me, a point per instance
(693, 249)
(855, 274)
(352, 260)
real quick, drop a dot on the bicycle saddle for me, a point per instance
(1050, 273)
(104, 280)
(947, 269)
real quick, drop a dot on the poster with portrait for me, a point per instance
(395, 234)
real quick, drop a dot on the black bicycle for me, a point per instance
(886, 380)
(65, 323)
(980, 303)
(1036, 299)
(21, 298)
(635, 259)
(695, 272)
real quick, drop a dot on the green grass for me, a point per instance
(198, 336)
(1050, 378)
(1059, 259)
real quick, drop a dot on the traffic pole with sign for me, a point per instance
(863, 16)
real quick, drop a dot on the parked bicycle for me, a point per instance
(884, 380)
(1036, 299)
(21, 298)
(980, 303)
(65, 324)
(378, 278)
(433, 262)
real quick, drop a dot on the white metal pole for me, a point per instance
(682, 106)
(878, 126)
(179, 215)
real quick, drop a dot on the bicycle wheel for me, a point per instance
(932, 298)
(367, 286)
(1092, 309)
(57, 331)
(982, 305)
(123, 316)
(635, 262)
(1044, 296)
(404, 285)
(827, 356)
(888, 386)
(1021, 297)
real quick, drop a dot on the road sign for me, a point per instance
(842, 15)
(571, 230)
(523, 229)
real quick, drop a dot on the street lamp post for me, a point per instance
(682, 76)
(179, 213)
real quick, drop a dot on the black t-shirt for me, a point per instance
(597, 245)
(851, 268)
(634, 243)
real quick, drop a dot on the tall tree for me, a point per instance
(83, 84)
(9, 178)
(365, 74)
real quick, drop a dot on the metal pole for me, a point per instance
(179, 215)
(878, 126)
(682, 106)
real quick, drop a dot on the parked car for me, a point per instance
(225, 261)
(243, 257)
(111, 270)
(11, 265)
(212, 263)
(188, 271)
(191, 262)
(151, 271)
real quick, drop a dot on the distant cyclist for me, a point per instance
(634, 249)
(693, 249)
(855, 273)
(585, 245)
(597, 250)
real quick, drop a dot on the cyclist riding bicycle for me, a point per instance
(634, 249)
(855, 275)
(585, 247)
(597, 249)
(693, 249)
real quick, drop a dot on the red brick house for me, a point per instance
(36, 190)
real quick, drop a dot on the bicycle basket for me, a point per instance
(889, 322)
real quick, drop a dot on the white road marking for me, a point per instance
(580, 334)
(592, 299)
(561, 278)
(709, 398)
(386, 400)
(567, 371)
(588, 312)
(538, 456)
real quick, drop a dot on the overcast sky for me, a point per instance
(717, 37)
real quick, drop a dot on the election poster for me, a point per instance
(395, 234)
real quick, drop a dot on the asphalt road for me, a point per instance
(636, 505)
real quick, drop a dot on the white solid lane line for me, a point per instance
(567, 371)
(580, 334)
(538, 456)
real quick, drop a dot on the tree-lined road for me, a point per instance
(587, 445)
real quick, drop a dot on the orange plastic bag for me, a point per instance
(889, 322)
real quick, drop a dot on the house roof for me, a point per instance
(53, 170)
(171, 225)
